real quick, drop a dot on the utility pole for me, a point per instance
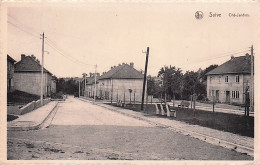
(145, 72)
(42, 68)
(84, 75)
(79, 87)
(95, 87)
(252, 80)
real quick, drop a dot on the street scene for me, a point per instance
(99, 82)
(81, 130)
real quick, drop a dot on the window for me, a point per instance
(237, 78)
(226, 79)
(210, 79)
(235, 94)
(219, 79)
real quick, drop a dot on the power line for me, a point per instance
(66, 55)
(22, 24)
(16, 26)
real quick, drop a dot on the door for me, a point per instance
(217, 95)
(227, 96)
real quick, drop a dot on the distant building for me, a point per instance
(27, 77)
(120, 83)
(90, 85)
(10, 73)
(229, 81)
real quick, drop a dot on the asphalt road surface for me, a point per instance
(83, 131)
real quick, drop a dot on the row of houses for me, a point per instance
(122, 82)
(25, 75)
(228, 83)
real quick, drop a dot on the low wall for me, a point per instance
(27, 108)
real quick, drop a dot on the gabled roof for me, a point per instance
(29, 64)
(236, 65)
(91, 80)
(123, 71)
(9, 58)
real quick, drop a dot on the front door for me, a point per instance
(227, 96)
(217, 95)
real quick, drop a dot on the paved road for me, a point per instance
(81, 130)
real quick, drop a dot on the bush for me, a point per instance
(58, 95)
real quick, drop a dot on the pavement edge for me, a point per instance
(34, 127)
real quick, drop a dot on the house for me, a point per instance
(27, 77)
(229, 82)
(90, 85)
(122, 82)
(10, 74)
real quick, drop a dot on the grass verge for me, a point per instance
(237, 124)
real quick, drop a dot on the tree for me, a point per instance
(172, 80)
(205, 71)
(68, 87)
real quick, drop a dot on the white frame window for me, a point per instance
(235, 94)
(226, 79)
(237, 79)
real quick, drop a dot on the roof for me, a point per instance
(236, 65)
(10, 58)
(29, 64)
(123, 71)
(91, 80)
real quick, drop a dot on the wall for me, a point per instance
(10, 76)
(119, 88)
(30, 82)
(27, 108)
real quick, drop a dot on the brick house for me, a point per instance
(229, 81)
(10, 74)
(27, 77)
(117, 83)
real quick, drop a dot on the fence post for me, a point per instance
(191, 100)
(213, 104)
(134, 97)
(194, 100)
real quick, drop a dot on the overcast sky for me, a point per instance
(106, 34)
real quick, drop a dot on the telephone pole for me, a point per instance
(79, 87)
(252, 80)
(145, 72)
(42, 68)
(95, 87)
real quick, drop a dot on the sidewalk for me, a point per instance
(224, 108)
(228, 140)
(32, 120)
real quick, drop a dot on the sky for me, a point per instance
(108, 34)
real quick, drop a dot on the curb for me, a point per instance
(34, 127)
(211, 140)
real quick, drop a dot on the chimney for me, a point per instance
(22, 56)
(132, 64)
(232, 57)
